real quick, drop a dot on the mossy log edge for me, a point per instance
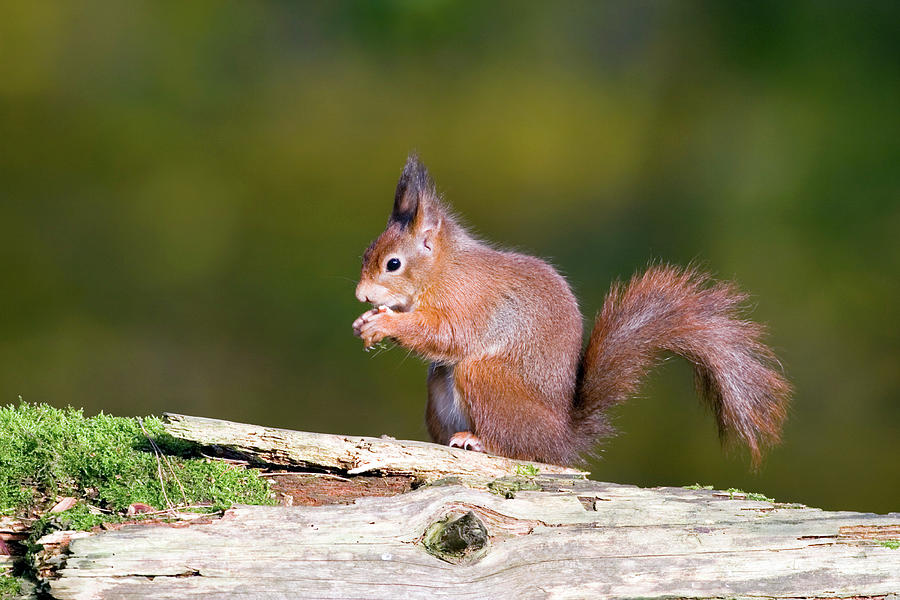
(353, 455)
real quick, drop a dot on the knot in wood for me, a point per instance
(457, 540)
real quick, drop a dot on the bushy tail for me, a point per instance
(682, 311)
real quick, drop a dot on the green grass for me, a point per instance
(109, 463)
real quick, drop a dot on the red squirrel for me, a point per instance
(503, 334)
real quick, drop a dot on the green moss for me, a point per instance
(109, 462)
(79, 517)
(892, 544)
(733, 492)
(9, 587)
(749, 495)
(527, 471)
(509, 486)
(759, 497)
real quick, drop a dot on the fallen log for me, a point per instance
(529, 532)
(353, 455)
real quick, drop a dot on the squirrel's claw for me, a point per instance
(371, 326)
(467, 441)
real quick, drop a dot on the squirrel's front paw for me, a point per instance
(373, 325)
(466, 440)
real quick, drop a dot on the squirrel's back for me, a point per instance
(523, 309)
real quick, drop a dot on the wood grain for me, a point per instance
(349, 454)
(570, 538)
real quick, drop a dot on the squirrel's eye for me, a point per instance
(393, 264)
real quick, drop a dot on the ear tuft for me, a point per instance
(413, 188)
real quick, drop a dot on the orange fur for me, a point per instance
(503, 333)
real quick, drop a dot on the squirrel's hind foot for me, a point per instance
(466, 440)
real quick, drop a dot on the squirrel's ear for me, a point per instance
(429, 232)
(413, 191)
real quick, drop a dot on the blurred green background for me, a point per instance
(187, 189)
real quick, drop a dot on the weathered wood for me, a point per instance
(350, 454)
(569, 538)
(590, 540)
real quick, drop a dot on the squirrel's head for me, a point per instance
(397, 266)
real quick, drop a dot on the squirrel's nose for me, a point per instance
(361, 295)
